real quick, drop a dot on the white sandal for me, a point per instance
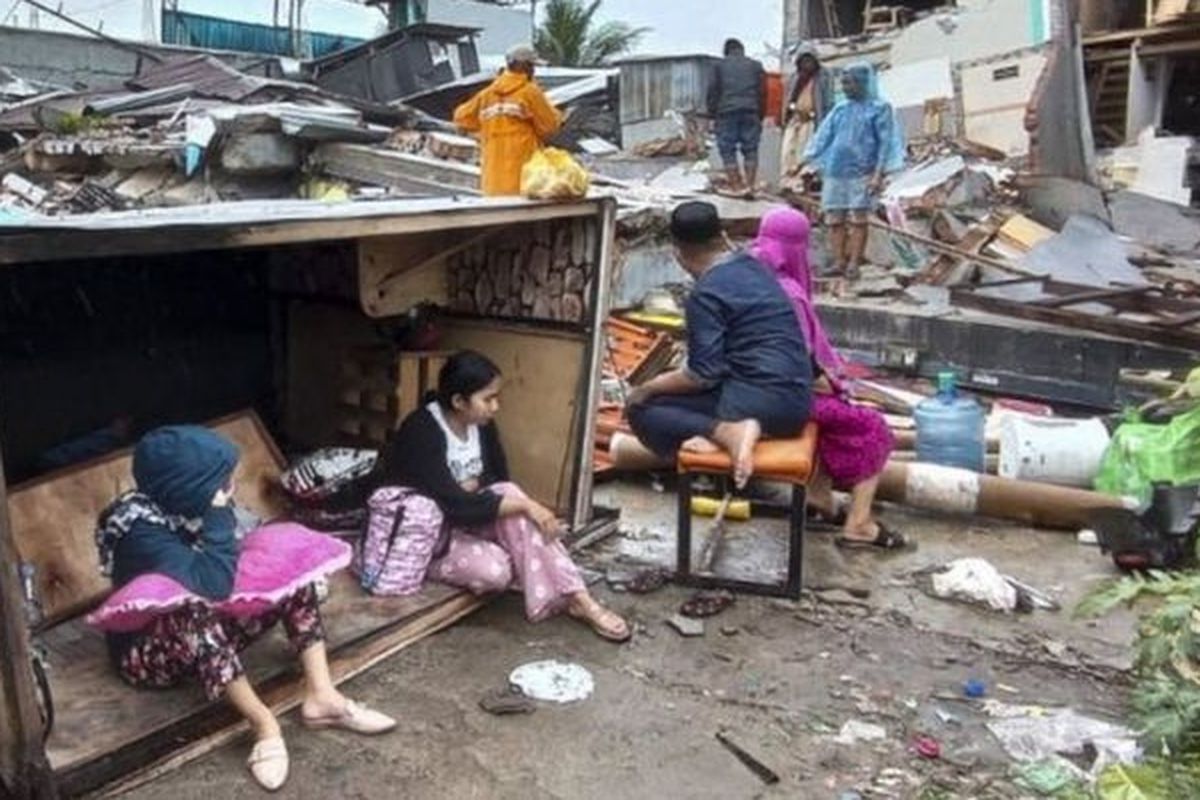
(268, 763)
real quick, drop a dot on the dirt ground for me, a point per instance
(779, 678)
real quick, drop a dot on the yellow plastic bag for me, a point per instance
(552, 174)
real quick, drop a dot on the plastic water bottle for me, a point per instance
(950, 428)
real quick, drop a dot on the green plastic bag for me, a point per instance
(1142, 454)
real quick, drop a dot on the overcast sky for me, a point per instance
(679, 26)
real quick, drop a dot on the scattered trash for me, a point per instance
(975, 688)
(1034, 733)
(730, 630)
(764, 773)
(975, 580)
(855, 731)
(1088, 537)
(926, 746)
(687, 626)
(643, 581)
(553, 681)
(1048, 777)
(503, 702)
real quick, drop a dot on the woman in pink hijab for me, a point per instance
(855, 441)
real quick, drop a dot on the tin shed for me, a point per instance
(246, 315)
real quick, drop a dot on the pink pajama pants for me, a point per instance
(510, 553)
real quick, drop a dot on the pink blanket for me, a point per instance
(274, 562)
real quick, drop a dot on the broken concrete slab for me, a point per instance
(1052, 201)
(1164, 226)
(1087, 253)
(686, 626)
(260, 154)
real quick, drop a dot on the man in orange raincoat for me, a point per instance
(512, 118)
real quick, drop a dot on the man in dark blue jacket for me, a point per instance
(748, 370)
(737, 101)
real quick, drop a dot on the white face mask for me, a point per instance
(222, 497)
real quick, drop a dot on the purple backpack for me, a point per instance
(403, 531)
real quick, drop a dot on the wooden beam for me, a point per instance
(1090, 296)
(24, 769)
(1112, 326)
(62, 244)
(207, 732)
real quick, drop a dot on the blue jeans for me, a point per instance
(738, 130)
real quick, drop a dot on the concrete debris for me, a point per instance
(687, 627)
(855, 731)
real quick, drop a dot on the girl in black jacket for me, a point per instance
(500, 538)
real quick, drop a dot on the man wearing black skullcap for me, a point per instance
(748, 371)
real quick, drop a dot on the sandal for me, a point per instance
(648, 580)
(819, 516)
(607, 624)
(706, 604)
(268, 763)
(507, 701)
(885, 539)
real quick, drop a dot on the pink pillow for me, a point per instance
(274, 562)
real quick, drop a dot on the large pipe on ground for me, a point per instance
(937, 488)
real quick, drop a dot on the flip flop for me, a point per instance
(606, 632)
(885, 539)
(706, 604)
(648, 580)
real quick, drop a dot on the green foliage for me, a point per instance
(1158, 779)
(1166, 698)
(567, 37)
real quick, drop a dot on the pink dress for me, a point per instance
(854, 441)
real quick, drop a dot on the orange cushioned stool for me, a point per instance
(781, 460)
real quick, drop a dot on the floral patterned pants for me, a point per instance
(511, 553)
(198, 641)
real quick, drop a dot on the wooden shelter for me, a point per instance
(321, 285)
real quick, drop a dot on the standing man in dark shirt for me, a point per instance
(748, 370)
(737, 101)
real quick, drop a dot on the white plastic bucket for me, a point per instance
(1051, 449)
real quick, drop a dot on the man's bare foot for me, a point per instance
(699, 444)
(739, 440)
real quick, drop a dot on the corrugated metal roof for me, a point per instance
(652, 87)
(209, 76)
(254, 212)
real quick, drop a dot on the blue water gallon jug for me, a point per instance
(950, 428)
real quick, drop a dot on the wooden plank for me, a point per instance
(99, 715)
(388, 286)
(1092, 295)
(542, 373)
(54, 516)
(206, 726)
(1112, 326)
(59, 245)
(409, 386)
(24, 770)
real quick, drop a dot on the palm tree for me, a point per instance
(566, 37)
